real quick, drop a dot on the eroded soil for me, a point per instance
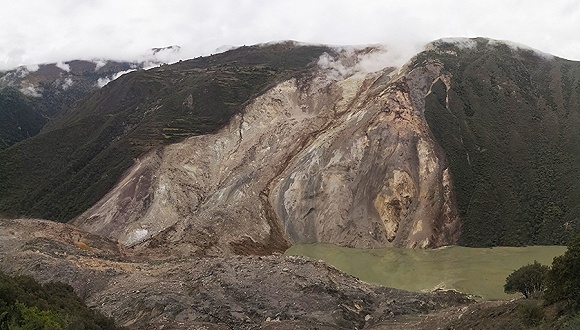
(150, 289)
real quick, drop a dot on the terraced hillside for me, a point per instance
(80, 155)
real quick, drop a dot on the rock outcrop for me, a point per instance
(341, 155)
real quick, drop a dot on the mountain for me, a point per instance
(181, 184)
(312, 159)
(31, 95)
(80, 155)
(473, 141)
(508, 118)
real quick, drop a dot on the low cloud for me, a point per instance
(354, 60)
(99, 64)
(67, 83)
(31, 91)
(63, 30)
(32, 67)
(103, 81)
(63, 66)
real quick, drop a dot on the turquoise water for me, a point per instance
(477, 271)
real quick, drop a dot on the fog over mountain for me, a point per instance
(35, 31)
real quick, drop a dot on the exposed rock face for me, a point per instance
(341, 155)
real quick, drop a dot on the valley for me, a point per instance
(289, 186)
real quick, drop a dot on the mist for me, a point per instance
(37, 31)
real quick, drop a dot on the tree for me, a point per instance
(530, 280)
(563, 281)
(34, 319)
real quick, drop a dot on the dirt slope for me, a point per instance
(341, 155)
(143, 290)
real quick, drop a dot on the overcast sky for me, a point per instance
(40, 31)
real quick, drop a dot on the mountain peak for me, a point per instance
(168, 49)
(462, 43)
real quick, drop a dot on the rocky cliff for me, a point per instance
(340, 155)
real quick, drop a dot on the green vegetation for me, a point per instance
(564, 278)
(561, 306)
(79, 155)
(25, 304)
(529, 280)
(510, 134)
(20, 117)
(23, 115)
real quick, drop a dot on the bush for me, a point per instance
(530, 280)
(531, 312)
(563, 280)
(26, 304)
(32, 318)
(571, 323)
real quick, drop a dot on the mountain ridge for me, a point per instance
(31, 96)
(132, 117)
(185, 182)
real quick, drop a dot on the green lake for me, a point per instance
(477, 271)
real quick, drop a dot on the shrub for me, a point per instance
(531, 313)
(530, 280)
(563, 280)
(33, 318)
(26, 304)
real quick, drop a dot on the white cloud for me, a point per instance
(99, 64)
(63, 66)
(518, 46)
(362, 59)
(68, 82)
(103, 81)
(32, 67)
(466, 43)
(31, 91)
(462, 43)
(39, 31)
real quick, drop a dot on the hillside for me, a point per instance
(159, 291)
(182, 185)
(80, 155)
(508, 119)
(31, 96)
(473, 141)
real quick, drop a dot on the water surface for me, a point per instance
(477, 271)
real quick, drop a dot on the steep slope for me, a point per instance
(20, 117)
(251, 150)
(341, 155)
(508, 118)
(30, 96)
(80, 155)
